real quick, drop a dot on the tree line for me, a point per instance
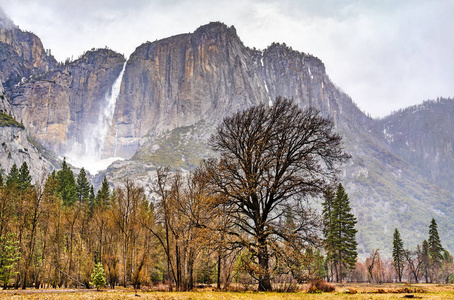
(243, 217)
(429, 262)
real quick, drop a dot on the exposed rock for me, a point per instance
(424, 136)
(58, 107)
(5, 107)
(15, 148)
(210, 74)
(22, 54)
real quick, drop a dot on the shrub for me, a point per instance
(314, 290)
(98, 277)
(321, 285)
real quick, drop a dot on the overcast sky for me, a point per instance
(386, 54)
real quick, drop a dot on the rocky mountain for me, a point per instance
(210, 74)
(16, 147)
(21, 53)
(22, 56)
(60, 106)
(423, 135)
(173, 92)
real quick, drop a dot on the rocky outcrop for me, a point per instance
(4, 103)
(15, 148)
(423, 135)
(210, 74)
(59, 107)
(22, 54)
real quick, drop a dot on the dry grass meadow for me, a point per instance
(345, 291)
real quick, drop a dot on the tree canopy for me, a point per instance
(272, 158)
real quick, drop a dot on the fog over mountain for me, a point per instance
(387, 55)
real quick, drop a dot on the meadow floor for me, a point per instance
(363, 291)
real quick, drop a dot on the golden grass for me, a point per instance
(364, 291)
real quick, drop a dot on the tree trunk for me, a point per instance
(178, 263)
(218, 285)
(264, 276)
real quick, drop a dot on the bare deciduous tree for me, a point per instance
(271, 160)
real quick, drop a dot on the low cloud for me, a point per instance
(385, 54)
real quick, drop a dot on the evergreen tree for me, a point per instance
(435, 249)
(9, 255)
(66, 184)
(51, 186)
(13, 177)
(425, 260)
(25, 180)
(327, 214)
(398, 254)
(103, 195)
(98, 277)
(340, 240)
(83, 186)
(91, 197)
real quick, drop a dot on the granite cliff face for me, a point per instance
(423, 135)
(210, 74)
(22, 54)
(15, 148)
(59, 107)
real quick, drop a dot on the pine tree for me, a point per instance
(91, 198)
(103, 195)
(98, 277)
(25, 180)
(13, 177)
(327, 214)
(66, 184)
(83, 186)
(398, 254)
(425, 260)
(435, 249)
(9, 255)
(340, 240)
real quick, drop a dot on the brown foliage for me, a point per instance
(320, 285)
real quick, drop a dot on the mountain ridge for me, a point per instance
(176, 90)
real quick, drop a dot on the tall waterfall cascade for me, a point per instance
(89, 152)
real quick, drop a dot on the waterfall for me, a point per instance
(89, 153)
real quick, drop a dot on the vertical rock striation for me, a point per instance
(210, 74)
(58, 107)
(22, 54)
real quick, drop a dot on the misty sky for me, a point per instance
(386, 54)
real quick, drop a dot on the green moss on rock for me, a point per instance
(8, 121)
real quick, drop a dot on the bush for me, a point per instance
(314, 290)
(320, 285)
(98, 277)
